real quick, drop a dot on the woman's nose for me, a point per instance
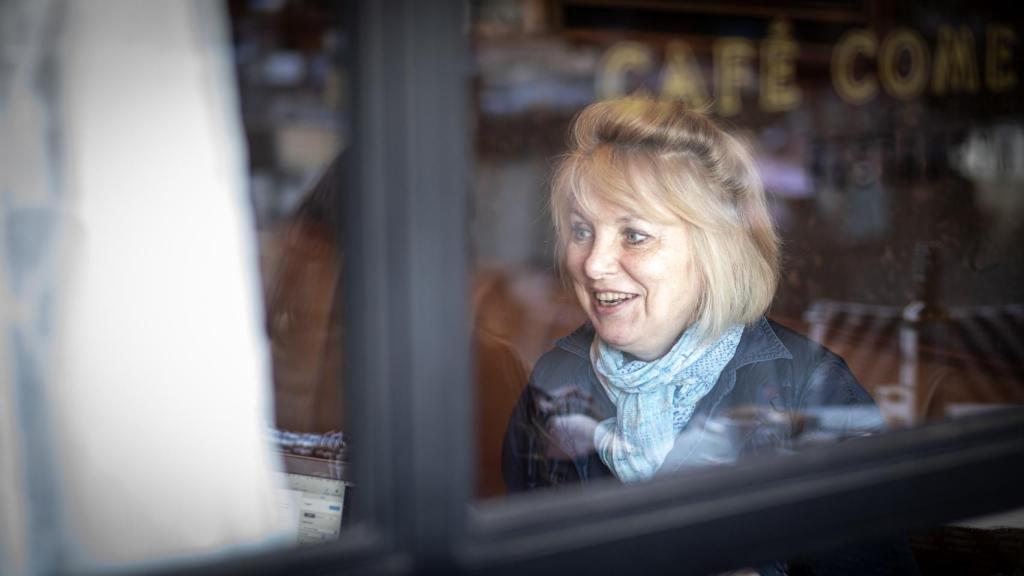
(602, 261)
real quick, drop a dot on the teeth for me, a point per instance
(611, 296)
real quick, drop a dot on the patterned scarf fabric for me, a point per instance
(654, 400)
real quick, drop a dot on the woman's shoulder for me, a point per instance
(804, 352)
(823, 375)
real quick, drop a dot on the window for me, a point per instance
(895, 245)
(288, 58)
(438, 242)
(862, 138)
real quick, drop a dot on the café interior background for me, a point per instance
(889, 135)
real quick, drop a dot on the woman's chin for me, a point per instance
(617, 340)
(644, 349)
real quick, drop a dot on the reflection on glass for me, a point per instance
(306, 330)
(892, 161)
(287, 58)
(891, 150)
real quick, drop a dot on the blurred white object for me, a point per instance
(992, 158)
(153, 373)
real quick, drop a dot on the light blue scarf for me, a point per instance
(654, 400)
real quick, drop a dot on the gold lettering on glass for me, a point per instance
(732, 58)
(906, 82)
(779, 91)
(999, 73)
(853, 44)
(955, 69)
(621, 59)
(682, 78)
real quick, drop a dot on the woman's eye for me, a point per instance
(580, 233)
(633, 237)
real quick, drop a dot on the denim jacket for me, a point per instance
(779, 392)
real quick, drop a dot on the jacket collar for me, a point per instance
(759, 343)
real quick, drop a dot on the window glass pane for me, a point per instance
(159, 403)
(291, 87)
(888, 141)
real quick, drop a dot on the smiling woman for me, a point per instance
(665, 238)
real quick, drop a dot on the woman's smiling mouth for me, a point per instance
(612, 299)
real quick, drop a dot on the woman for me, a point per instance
(664, 235)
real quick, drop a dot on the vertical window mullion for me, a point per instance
(405, 271)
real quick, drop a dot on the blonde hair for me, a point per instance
(666, 162)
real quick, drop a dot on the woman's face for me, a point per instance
(633, 277)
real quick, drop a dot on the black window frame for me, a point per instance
(406, 190)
